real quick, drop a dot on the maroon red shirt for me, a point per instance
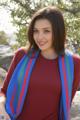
(42, 100)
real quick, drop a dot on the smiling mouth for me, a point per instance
(41, 43)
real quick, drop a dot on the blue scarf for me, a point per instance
(18, 85)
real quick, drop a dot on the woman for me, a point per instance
(42, 81)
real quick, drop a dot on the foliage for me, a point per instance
(22, 36)
(72, 21)
(3, 38)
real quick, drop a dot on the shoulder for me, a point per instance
(76, 59)
(18, 54)
(21, 51)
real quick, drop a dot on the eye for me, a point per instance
(46, 31)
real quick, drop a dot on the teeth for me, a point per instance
(41, 43)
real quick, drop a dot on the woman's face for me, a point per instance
(42, 34)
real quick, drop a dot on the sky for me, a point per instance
(5, 22)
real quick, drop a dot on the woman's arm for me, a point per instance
(18, 55)
(76, 82)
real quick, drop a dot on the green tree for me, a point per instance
(71, 11)
(3, 38)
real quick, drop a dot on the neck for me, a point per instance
(51, 54)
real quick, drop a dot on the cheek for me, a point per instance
(49, 38)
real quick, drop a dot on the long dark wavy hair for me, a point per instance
(55, 17)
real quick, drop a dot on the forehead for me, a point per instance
(42, 23)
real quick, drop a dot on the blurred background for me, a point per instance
(15, 16)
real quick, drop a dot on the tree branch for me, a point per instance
(73, 11)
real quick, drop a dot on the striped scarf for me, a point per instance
(18, 85)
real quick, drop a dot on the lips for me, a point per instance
(42, 43)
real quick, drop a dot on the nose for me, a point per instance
(40, 36)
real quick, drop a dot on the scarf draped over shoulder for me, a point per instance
(18, 85)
